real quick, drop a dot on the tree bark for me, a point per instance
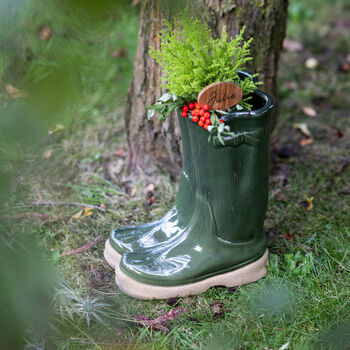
(155, 144)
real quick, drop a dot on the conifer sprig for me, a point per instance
(192, 59)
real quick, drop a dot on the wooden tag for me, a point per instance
(221, 95)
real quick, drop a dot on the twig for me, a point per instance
(84, 247)
(65, 203)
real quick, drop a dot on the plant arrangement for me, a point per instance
(194, 246)
(191, 60)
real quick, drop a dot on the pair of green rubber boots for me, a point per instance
(213, 235)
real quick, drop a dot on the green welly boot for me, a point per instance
(223, 242)
(172, 224)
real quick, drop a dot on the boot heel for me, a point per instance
(111, 255)
(247, 274)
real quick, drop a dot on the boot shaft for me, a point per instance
(233, 179)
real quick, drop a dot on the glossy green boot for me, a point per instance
(224, 242)
(171, 225)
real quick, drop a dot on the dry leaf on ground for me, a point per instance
(150, 188)
(81, 249)
(306, 141)
(309, 111)
(303, 128)
(13, 92)
(158, 323)
(58, 127)
(307, 204)
(47, 154)
(83, 213)
(338, 134)
(133, 191)
(119, 152)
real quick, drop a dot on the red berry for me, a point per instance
(184, 114)
(196, 112)
(191, 105)
(195, 119)
(208, 122)
(205, 126)
(203, 119)
(198, 107)
(206, 107)
(201, 112)
(207, 115)
(185, 109)
(193, 112)
(200, 123)
(196, 104)
(221, 120)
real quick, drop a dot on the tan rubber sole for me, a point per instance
(111, 255)
(247, 274)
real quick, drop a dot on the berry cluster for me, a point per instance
(200, 115)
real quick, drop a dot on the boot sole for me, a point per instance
(111, 255)
(244, 275)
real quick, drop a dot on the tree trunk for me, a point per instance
(158, 144)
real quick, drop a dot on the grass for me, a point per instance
(303, 303)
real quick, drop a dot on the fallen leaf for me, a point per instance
(14, 93)
(45, 34)
(292, 45)
(219, 309)
(47, 154)
(309, 111)
(303, 128)
(119, 152)
(306, 141)
(119, 53)
(133, 191)
(87, 211)
(150, 188)
(58, 127)
(284, 346)
(81, 249)
(158, 323)
(151, 199)
(311, 63)
(338, 134)
(289, 237)
(343, 66)
(307, 203)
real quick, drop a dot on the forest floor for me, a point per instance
(303, 303)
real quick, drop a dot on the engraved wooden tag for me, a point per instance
(221, 95)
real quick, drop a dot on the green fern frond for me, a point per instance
(192, 59)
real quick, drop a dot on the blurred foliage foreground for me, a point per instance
(64, 71)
